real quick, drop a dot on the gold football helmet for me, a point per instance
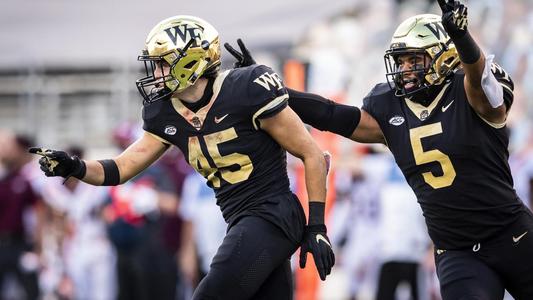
(421, 35)
(183, 48)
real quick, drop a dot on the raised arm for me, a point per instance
(120, 169)
(482, 89)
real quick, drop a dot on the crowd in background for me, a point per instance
(153, 237)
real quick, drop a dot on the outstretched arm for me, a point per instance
(479, 88)
(319, 112)
(346, 120)
(129, 163)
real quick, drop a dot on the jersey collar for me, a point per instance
(197, 119)
(423, 112)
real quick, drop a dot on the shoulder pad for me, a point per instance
(264, 82)
(380, 89)
(377, 101)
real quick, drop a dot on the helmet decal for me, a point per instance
(422, 41)
(177, 52)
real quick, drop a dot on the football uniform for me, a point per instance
(457, 164)
(247, 170)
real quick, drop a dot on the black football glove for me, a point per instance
(244, 58)
(317, 242)
(59, 163)
(454, 17)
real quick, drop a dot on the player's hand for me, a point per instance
(244, 58)
(454, 17)
(317, 242)
(59, 163)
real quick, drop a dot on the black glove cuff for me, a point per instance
(316, 213)
(81, 170)
(316, 228)
(467, 48)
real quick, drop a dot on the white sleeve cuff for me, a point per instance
(490, 85)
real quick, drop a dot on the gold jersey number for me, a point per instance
(424, 157)
(199, 162)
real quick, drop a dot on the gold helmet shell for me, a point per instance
(188, 44)
(422, 34)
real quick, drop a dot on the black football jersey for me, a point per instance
(222, 140)
(454, 160)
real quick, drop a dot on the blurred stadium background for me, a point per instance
(67, 73)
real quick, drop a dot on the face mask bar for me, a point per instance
(152, 86)
(395, 76)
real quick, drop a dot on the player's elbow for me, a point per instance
(314, 158)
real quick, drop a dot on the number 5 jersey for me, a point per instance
(455, 161)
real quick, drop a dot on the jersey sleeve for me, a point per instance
(149, 116)
(506, 82)
(266, 93)
(370, 104)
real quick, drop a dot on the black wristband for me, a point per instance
(324, 114)
(80, 173)
(111, 173)
(316, 213)
(316, 228)
(467, 48)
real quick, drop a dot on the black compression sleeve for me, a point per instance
(324, 114)
(111, 172)
(467, 48)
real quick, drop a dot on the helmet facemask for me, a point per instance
(410, 81)
(178, 51)
(423, 42)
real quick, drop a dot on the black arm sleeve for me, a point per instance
(324, 114)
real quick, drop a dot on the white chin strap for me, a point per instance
(492, 88)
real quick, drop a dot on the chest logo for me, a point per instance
(445, 108)
(170, 130)
(518, 238)
(218, 120)
(424, 114)
(396, 120)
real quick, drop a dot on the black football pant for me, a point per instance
(485, 270)
(392, 274)
(253, 262)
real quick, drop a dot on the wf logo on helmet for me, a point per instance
(185, 33)
(436, 28)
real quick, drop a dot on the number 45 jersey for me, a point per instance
(223, 140)
(455, 161)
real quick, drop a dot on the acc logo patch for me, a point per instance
(396, 120)
(170, 130)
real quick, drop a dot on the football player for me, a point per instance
(442, 114)
(234, 128)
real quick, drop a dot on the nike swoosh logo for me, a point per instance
(445, 108)
(518, 238)
(320, 237)
(218, 120)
